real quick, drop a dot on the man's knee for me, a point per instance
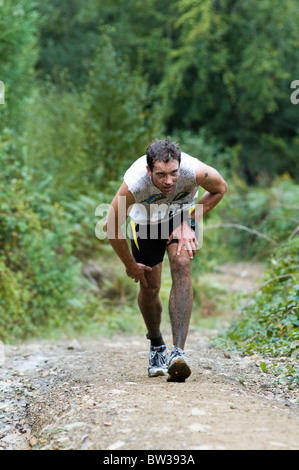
(154, 282)
(151, 291)
(181, 265)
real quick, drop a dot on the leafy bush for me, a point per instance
(43, 245)
(269, 325)
(39, 274)
(121, 118)
(54, 157)
(251, 221)
(18, 55)
(235, 80)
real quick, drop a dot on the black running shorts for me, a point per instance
(149, 242)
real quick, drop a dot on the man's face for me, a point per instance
(165, 175)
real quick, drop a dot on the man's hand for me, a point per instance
(186, 238)
(137, 272)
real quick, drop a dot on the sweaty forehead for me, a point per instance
(168, 167)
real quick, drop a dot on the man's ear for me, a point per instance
(149, 170)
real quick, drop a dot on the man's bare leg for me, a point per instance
(151, 309)
(180, 306)
(181, 295)
(150, 304)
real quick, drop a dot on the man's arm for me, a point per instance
(117, 216)
(210, 180)
(215, 186)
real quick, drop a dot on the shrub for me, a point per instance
(269, 325)
(39, 274)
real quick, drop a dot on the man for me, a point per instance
(158, 194)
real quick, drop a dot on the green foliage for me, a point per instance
(253, 220)
(86, 138)
(269, 325)
(120, 118)
(54, 156)
(18, 55)
(225, 67)
(40, 283)
(43, 245)
(69, 35)
(142, 32)
(230, 73)
(210, 151)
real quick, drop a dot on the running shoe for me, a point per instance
(178, 368)
(157, 361)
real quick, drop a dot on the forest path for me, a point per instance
(95, 394)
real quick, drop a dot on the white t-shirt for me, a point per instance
(151, 204)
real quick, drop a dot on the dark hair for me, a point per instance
(162, 151)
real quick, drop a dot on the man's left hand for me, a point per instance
(186, 238)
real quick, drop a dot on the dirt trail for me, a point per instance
(95, 394)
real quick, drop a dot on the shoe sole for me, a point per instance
(178, 370)
(157, 373)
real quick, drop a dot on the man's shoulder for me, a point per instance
(189, 161)
(139, 164)
(136, 177)
(189, 166)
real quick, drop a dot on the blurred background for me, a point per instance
(88, 85)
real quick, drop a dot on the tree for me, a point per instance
(18, 54)
(68, 38)
(231, 72)
(140, 31)
(121, 117)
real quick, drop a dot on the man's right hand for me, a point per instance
(137, 272)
